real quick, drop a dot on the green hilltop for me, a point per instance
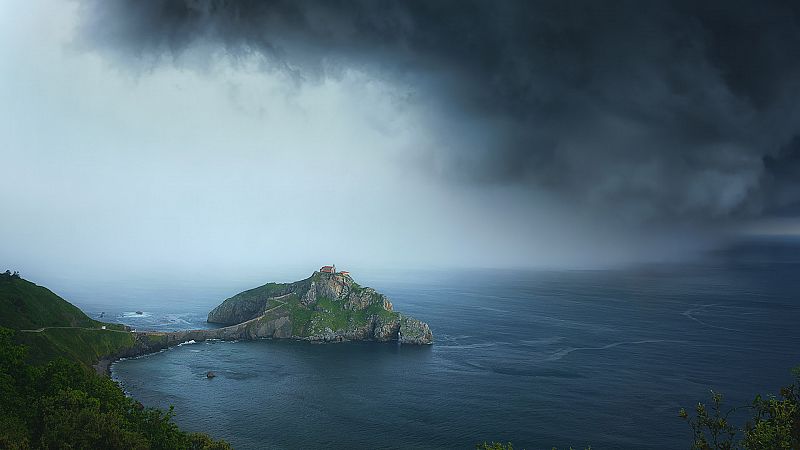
(24, 305)
(51, 327)
(52, 398)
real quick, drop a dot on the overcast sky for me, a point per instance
(188, 136)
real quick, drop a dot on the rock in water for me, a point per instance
(412, 331)
(210, 374)
(327, 307)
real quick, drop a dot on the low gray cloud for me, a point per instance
(654, 110)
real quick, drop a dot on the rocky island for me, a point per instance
(328, 306)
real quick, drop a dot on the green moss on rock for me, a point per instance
(323, 307)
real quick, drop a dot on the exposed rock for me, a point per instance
(310, 297)
(385, 330)
(324, 307)
(412, 331)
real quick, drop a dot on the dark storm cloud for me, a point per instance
(782, 182)
(656, 110)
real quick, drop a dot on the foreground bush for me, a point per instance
(774, 422)
(65, 405)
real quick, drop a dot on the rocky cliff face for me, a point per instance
(412, 331)
(323, 307)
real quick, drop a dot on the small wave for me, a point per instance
(566, 351)
(691, 312)
(449, 338)
(566, 323)
(176, 318)
(190, 341)
(133, 314)
(548, 373)
(542, 341)
(469, 346)
(488, 308)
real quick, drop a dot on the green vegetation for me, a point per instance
(774, 422)
(24, 305)
(322, 306)
(507, 446)
(76, 344)
(330, 313)
(376, 309)
(155, 339)
(494, 446)
(54, 327)
(325, 312)
(252, 302)
(51, 398)
(64, 405)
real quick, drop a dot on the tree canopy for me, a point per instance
(63, 404)
(774, 422)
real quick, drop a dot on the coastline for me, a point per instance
(166, 340)
(103, 367)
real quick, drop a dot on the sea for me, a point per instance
(541, 359)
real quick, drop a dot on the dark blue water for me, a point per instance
(542, 359)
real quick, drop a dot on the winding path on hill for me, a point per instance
(39, 330)
(214, 333)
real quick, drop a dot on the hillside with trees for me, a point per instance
(51, 396)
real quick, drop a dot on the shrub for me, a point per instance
(65, 405)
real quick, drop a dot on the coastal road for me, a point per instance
(157, 333)
(39, 330)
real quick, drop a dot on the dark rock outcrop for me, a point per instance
(412, 331)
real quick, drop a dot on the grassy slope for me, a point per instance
(248, 304)
(24, 305)
(325, 313)
(81, 345)
(331, 314)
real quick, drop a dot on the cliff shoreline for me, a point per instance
(326, 307)
(323, 307)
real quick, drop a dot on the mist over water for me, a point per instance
(548, 358)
